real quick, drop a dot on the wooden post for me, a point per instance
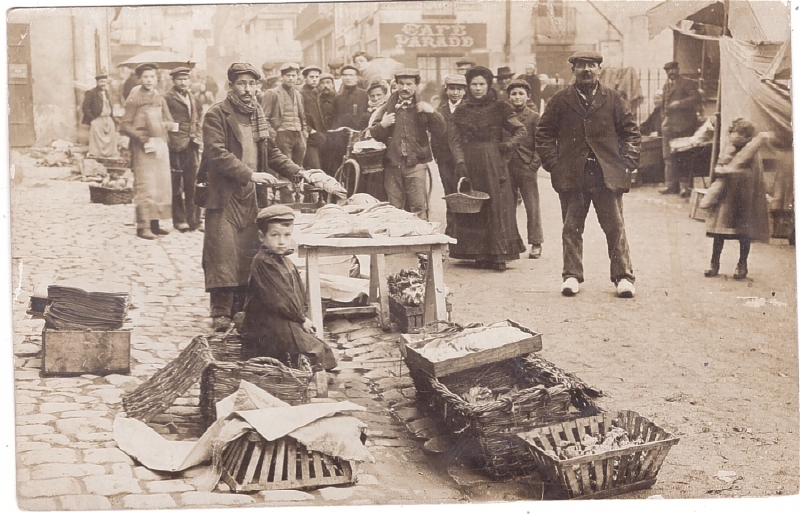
(313, 288)
(718, 114)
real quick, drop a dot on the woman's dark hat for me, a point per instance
(480, 71)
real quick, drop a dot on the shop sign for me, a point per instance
(433, 36)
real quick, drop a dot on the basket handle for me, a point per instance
(271, 362)
(464, 180)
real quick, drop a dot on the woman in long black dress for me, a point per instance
(490, 237)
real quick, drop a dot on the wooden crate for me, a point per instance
(607, 473)
(781, 223)
(79, 352)
(252, 463)
(409, 319)
(410, 343)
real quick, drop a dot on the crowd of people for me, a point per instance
(487, 135)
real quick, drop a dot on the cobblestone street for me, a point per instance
(693, 355)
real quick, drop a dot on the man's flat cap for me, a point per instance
(267, 65)
(240, 68)
(349, 67)
(519, 83)
(378, 83)
(464, 61)
(277, 212)
(671, 65)
(182, 70)
(455, 80)
(586, 55)
(324, 76)
(289, 66)
(144, 67)
(335, 63)
(407, 73)
(309, 69)
(101, 76)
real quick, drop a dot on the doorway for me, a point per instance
(20, 86)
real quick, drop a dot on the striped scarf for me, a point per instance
(258, 121)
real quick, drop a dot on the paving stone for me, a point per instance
(365, 479)
(34, 430)
(110, 485)
(122, 470)
(108, 396)
(86, 399)
(27, 446)
(118, 380)
(86, 502)
(392, 395)
(169, 486)
(27, 349)
(26, 375)
(193, 498)
(103, 455)
(148, 501)
(23, 399)
(59, 439)
(51, 455)
(285, 496)
(75, 426)
(337, 493)
(142, 473)
(37, 504)
(49, 487)
(35, 419)
(54, 384)
(50, 408)
(99, 437)
(364, 332)
(67, 470)
(70, 414)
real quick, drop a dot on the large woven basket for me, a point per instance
(606, 473)
(469, 202)
(487, 430)
(112, 162)
(110, 196)
(370, 161)
(221, 379)
(226, 347)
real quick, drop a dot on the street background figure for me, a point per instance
(679, 104)
(96, 110)
(455, 89)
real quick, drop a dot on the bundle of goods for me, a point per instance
(323, 181)
(381, 220)
(602, 455)
(72, 308)
(114, 189)
(407, 286)
(485, 385)
(369, 155)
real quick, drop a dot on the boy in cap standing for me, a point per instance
(455, 86)
(184, 148)
(589, 142)
(405, 122)
(275, 323)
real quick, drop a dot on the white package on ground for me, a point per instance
(471, 340)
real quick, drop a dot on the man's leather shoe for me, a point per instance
(740, 273)
(713, 271)
(536, 251)
(570, 287)
(182, 227)
(686, 192)
(625, 288)
(145, 233)
(670, 190)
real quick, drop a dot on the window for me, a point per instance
(557, 7)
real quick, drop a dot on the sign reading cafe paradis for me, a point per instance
(433, 35)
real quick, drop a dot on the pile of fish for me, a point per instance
(616, 438)
(471, 340)
(358, 220)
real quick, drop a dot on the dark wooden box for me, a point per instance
(79, 352)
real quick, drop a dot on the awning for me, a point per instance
(671, 12)
(781, 67)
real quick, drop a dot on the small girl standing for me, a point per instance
(739, 207)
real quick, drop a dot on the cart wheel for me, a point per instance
(348, 175)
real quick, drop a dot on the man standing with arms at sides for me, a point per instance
(455, 88)
(283, 107)
(349, 110)
(589, 142)
(335, 68)
(316, 127)
(97, 114)
(184, 148)
(327, 95)
(679, 105)
(463, 64)
(405, 122)
(237, 154)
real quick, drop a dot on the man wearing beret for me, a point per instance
(589, 142)
(238, 153)
(96, 109)
(679, 105)
(184, 150)
(283, 107)
(404, 127)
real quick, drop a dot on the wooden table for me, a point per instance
(312, 248)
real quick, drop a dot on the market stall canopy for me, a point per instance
(381, 68)
(762, 20)
(166, 60)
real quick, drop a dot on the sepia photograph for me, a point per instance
(400, 254)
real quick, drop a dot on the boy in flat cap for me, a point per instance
(283, 106)
(524, 163)
(404, 127)
(275, 323)
(679, 105)
(184, 150)
(96, 109)
(237, 154)
(455, 86)
(588, 140)
(316, 126)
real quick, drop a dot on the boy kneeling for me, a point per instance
(275, 324)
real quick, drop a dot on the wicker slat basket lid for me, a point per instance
(470, 202)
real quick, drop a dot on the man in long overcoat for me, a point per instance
(184, 150)
(237, 154)
(679, 105)
(589, 142)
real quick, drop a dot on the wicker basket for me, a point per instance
(226, 347)
(221, 379)
(470, 202)
(607, 473)
(112, 162)
(370, 161)
(110, 196)
(487, 430)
